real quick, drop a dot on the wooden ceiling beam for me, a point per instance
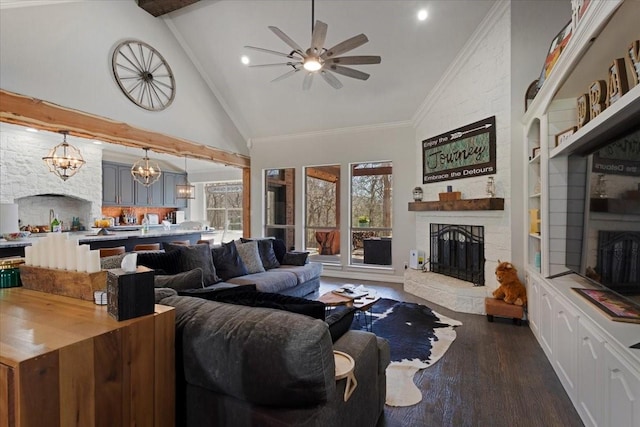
(383, 170)
(322, 175)
(26, 111)
(160, 7)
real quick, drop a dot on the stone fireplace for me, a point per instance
(454, 293)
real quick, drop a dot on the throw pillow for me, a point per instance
(160, 262)
(162, 293)
(295, 258)
(186, 280)
(113, 261)
(195, 256)
(250, 257)
(279, 248)
(228, 262)
(340, 321)
(267, 253)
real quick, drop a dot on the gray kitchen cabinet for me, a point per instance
(117, 184)
(149, 196)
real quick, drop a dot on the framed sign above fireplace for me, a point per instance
(461, 153)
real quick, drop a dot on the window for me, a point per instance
(371, 213)
(322, 213)
(280, 205)
(224, 209)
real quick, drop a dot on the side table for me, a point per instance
(344, 369)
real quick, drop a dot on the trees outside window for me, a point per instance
(280, 206)
(371, 213)
(224, 208)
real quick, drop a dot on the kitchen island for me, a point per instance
(128, 239)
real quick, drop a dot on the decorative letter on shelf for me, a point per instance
(618, 84)
(597, 98)
(583, 110)
(634, 60)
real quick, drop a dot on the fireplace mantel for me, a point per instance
(486, 204)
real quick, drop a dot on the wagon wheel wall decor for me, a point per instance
(143, 75)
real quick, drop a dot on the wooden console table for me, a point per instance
(66, 362)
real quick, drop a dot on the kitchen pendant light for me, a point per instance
(146, 171)
(64, 159)
(186, 190)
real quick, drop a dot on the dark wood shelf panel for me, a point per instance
(617, 206)
(487, 204)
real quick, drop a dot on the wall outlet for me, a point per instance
(406, 265)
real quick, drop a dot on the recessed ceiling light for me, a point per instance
(423, 14)
(95, 141)
(245, 59)
(31, 130)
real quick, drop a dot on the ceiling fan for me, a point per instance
(317, 59)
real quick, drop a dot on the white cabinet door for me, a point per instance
(533, 304)
(590, 370)
(546, 323)
(622, 391)
(565, 346)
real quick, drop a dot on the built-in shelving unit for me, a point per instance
(590, 353)
(486, 204)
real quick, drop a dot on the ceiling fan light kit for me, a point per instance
(319, 60)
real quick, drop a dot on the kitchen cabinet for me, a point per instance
(149, 196)
(120, 189)
(170, 181)
(117, 184)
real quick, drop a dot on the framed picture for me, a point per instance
(563, 136)
(558, 44)
(614, 307)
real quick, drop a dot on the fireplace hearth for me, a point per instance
(458, 251)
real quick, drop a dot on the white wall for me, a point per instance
(62, 53)
(393, 142)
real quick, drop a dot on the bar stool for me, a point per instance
(205, 241)
(181, 242)
(147, 247)
(105, 252)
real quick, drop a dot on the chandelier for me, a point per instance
(186, 190)
(64, 159)
(145, 171)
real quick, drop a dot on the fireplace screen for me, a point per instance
(458, 251)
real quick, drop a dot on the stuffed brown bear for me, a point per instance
(511, 290)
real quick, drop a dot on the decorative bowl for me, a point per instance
(16, 236)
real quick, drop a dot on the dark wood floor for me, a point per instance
(494, 374)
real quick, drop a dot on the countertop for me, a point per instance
(91, 236)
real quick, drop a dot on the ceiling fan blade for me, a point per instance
(331, 79)
(355, 60)
(285, 38)
(306, 83)
(345, 46)
(318, 37)
(275, 65)
(285, 75)
(349, 72)
(273, 52)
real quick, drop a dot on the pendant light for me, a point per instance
(64, 159)
(146, 171)
(186, 190)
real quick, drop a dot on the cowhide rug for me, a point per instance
(418, 338)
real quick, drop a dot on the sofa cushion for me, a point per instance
(295, 258)
(250, 256)
(161, 262)
(269, 281)
(339, 321)
(161, 293)
(186, 280)
(279, 248)
(267, 253)
(305, 272)
(228, 262)
(262, 356)
(195, 256)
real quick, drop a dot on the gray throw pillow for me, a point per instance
(186, 280)
(196, 256)
(295, 258)
(267, 252)
(111, 262)
(227, 261)
(250, 256)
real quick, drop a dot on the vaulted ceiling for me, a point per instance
(415, 54)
